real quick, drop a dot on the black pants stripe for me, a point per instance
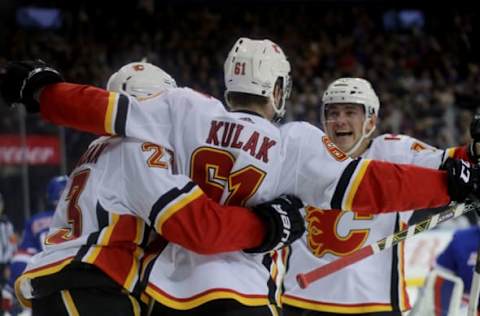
(81, 289)
(86, 302)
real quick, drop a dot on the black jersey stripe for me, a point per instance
(168, 197)
(395, 278)
(336, 202)
(121, 116)
(92, 239)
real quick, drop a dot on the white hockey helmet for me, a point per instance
(353, 90)
(140, 79)
(356, 91)
(255, 67)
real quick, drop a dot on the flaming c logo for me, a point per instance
(322, 235)
(138, 67)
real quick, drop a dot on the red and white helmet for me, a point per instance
(356, 91)
(255, 67)
(140, 79)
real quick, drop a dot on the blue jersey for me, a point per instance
(35, 230)
(460, 255)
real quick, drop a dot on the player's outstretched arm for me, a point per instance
(207, 227)
(385, 187)
(40, 88)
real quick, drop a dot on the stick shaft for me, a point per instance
(455, 210)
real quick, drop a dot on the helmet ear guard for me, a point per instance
(140, 79)
(257, 67)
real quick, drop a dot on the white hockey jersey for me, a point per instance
(372, 285)
(105, 215)
(240, 158)
(237, 158)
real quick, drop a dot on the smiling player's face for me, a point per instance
(344, 123)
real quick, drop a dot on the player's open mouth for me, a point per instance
(341, 134)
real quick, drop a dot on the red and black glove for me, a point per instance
(21, 79)
(463, 179)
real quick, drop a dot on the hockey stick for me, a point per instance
(453, 211)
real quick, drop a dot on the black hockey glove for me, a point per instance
(463, 179)
(21, 79)
(475, 134)
(283, 220)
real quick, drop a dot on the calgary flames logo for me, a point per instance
(323, 237)
(138, 67)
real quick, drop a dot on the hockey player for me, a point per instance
(36, 229)
(103, 221)
(8, 244)
(34, 233)
(238, 157)
(350, 109)
(459, 257)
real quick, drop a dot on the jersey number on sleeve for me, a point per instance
(74, 213)
(155, 159)
(211, 169)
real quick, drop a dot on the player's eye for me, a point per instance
(332, 114)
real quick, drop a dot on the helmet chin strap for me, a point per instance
(364, 136)
(279, 113)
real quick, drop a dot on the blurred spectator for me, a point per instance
(423, 62)
(412, 61)
(8, 243)
(460, 256)
(34, 233)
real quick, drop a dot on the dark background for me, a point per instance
(421, 57)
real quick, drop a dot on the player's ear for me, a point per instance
(371, 123)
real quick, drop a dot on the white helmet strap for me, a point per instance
(365, 135)
(286, 88)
